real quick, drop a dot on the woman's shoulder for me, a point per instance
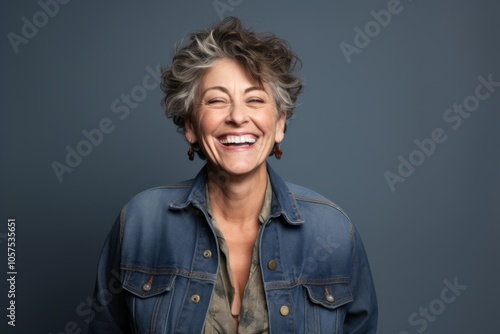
(305, 196)
(160, 195)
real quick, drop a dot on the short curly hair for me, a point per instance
(266, 57)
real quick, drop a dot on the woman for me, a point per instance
(236, 249)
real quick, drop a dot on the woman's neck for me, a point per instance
(237, 198)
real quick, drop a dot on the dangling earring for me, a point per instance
(191, 152)
(278, 152)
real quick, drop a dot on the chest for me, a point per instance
(240, 244)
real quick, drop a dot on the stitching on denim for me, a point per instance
(339, 302)
(173, 186)
(136, 290)
(309, 281)
(196, 247)
(169, 306)
(322, 201)
(278, 244)
(122, 225)
(352, 231)
(310, 324)
(169, 271)
(353, 243)
(134, 316)
(316, 314)
(184, 301)
(292, 306)
(156, 309)
(175, 205)
(337, 322)
(294, 203)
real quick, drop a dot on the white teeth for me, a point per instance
(237, 140)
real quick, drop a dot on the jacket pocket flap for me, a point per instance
(329, 295)
(146, 285)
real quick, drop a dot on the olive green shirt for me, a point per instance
(253, 317)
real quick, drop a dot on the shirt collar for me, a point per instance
(283, 202)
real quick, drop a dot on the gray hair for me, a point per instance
(266, 57)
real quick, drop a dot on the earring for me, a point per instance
(278, 152)
(191, 152)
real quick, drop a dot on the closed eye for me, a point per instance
(256, 101)
(217, 103)
(214, 101)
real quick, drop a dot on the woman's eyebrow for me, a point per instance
(249, 89)
(225, 90)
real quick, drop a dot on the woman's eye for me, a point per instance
(214, 101)
(217, 103)
(256, 101)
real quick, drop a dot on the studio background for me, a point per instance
(358, 119)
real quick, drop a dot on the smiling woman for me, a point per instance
(236, 249)
(236, 122)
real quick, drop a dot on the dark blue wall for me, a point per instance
(370, 97)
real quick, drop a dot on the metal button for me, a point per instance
(272, 265)
(330, 298)
(284, 310)
(207, 253)
(146, 287)
(195, 299)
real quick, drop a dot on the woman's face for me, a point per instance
(236, 122)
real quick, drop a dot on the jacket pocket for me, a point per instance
(330, 296)
(145, 285)
(149, 300)
(323, 301)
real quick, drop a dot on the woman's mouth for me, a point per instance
(237, 140)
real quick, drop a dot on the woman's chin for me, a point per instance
(239, 167)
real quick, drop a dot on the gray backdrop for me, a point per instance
(398, 125)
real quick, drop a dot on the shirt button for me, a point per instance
(272, 265)
(284, 310)
(330, 298)
(207, 253)
(195, 299)
(146, 287)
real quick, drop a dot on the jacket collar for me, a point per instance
(283, 202)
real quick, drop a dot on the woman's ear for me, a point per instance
(190, 131)
(280, 128)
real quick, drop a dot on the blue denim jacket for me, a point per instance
(158, 267)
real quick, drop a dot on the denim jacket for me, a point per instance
(158, 267)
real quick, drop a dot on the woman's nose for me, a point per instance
(237, 113)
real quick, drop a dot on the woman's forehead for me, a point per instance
(227, 73)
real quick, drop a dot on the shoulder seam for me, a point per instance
(322, 201)
(174, 186)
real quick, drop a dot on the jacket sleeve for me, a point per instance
(110, 314)
(362, 313)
